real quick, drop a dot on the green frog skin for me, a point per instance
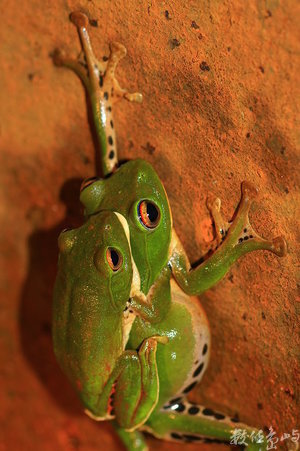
(92, 319)
(163, 286)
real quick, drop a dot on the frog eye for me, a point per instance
(114, 258)
(148, 213)
(88, 182)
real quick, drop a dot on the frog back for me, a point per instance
(89, 299)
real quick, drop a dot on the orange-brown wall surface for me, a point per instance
(220, 87)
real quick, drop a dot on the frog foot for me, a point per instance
(97, 76)
(239, 233)
(102, 87)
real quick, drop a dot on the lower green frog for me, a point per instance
(92, 319)
(155, 289)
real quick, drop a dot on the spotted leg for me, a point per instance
(186, 422)
(234, 239)
(102, 87)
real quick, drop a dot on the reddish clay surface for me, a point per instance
(220, 83)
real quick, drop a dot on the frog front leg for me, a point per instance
(102, 87)
(234, 239)
(155, 306)
(132, 390)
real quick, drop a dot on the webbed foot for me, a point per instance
(239, 232)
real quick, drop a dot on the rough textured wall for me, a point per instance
(220, 89)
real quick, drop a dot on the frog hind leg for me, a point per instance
(102, 87)
(191, 423)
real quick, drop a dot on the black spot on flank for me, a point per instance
(204, 350)
(248, 135)
(111, 124)
(208, 412)
(100, 81)
(246, 238)
(111, 155)
(189, 387)
(235, 420)
(105, 58)
(260, 406)
(106, 95)
(176, 436)
(175, 400)
(241, 240)
(219, 416)
(193, 410)
(180, 407)
(198, 370)
(108, 108)
(110, 140)
(30, 76)
(191, 438)
(245, 230)
(195, 25)
(250, 236)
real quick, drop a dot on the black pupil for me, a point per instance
(152, 212)
(114, 257)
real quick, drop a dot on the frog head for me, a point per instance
(92, 288)
(136, 192)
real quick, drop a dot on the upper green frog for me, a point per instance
(135, 191)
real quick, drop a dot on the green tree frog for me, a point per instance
(92, 319)
(158, 288)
